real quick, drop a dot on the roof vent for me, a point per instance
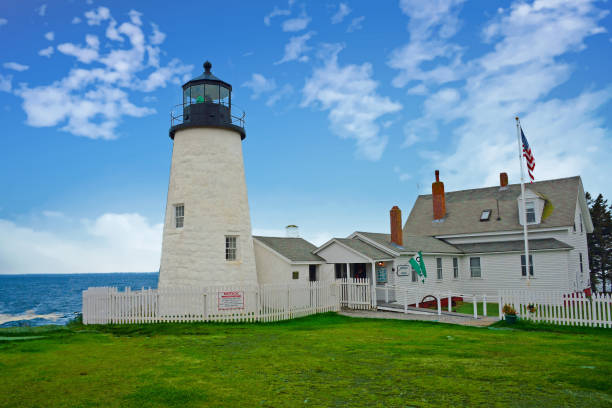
(292, 231)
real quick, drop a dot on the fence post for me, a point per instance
(439, 304)
(405, 300)
(484, 305)
(475, 308)
(499, 305)
(374, 301)
(450, 302)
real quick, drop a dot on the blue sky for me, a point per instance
(351, 106)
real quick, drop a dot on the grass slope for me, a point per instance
(326, 360)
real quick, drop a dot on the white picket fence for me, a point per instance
(561, 308)
(355, 293)
(263, 303)
(391, 296)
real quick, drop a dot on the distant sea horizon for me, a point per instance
(38, 298)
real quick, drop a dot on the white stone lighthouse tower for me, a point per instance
(207, 231)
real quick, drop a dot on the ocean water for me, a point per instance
(55, 299)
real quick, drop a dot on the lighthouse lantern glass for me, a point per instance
(186, 93)
(224, 96)
(211, 93)
(197, 94)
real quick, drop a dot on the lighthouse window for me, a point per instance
(197, 94)
(186, 100)
(179, 215)
(224, 96)
(231, 246)
(211, 93)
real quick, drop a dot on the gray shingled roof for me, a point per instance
(463, 209)
(294, 249)
(364, 248)
(412, 243)
(513, 246)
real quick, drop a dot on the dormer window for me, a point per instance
(530, 212)
(485, 215)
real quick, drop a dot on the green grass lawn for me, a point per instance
(326, 360)
(468, 308)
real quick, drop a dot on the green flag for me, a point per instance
(415, 265)
(422, 264)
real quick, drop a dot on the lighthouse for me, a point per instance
(207, 229)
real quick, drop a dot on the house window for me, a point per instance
(381, 275)
(524, 267)
(231, 247)
(296, 275)
(581, 230)
(415, 277)
(179, 215)
(574, 225)
(580, 256)
(439, 268)
(530, 212)
(312, 273)
(455, 268)
(475, 271)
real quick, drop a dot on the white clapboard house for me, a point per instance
(471, 240)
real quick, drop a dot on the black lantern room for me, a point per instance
(207, 102)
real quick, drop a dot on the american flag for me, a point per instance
(528, 156)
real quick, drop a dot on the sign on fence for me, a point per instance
(230, 300)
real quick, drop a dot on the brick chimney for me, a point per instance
(503, 179)
(439, 201)
(396, 226)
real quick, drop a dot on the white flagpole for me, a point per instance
(523, 213)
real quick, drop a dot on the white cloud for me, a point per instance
(91, 102)
(276, 96)
(349, 94)
(431, 24)
(53, 214)
(85, 54)
(42, 10)
(110, 243)
(3, 21)
(343, 11)
(275, 13)
(76, 20)
(135, 17)
(419, 89)
(356, 24)
(157, 37)
(97, 16)
(318, 238)
(296, 24)
(427, 15)
(6, 83)
(529, 43)
(50, 36)
(296, 48)
(15, 66)
(402, 176)
(46, 52)
(259, 85)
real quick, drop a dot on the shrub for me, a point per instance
(509, 310)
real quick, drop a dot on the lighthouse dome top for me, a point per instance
(206, 77)
(207, 103)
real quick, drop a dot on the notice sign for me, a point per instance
(231, 300)
(403, 270)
